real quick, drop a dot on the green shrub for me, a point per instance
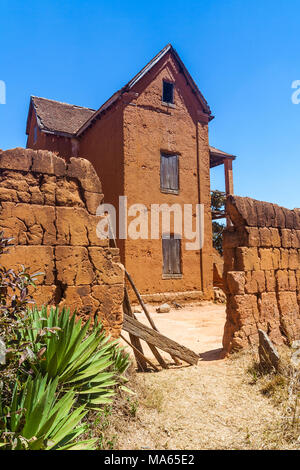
(37, 419)
(52, 364)
(14, 301)
(82, 358)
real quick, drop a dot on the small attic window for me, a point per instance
(168, 92)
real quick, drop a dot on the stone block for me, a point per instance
(268, 308)
(295, 240)
(265, 237)
(266, 258)
(284, 258)
(73, 266)
(255, 282)
(37, 258)
(93, 201)
(236, 282)
(253, 236)
(79, 299)
(68, 194)
(275, 237)
(297, 273)
(290, 317)
(286, 238)
(45, 295)
(44, 161)
(292, 281)
(110, 311)
(270, 281)
(84, 171)
(247, 259)
(229, 259)
(107, 271)
(293, 259)
(48, 189)
(243, 308)
(29, 224)
(16, 159)
(282, 280)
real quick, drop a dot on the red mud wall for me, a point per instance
(49, 207)
(261, 273)
(152, 128)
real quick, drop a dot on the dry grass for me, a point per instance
(216, 405)
(283, 389)
(226, 404)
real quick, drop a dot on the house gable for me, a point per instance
(148, 90)
(129, 90)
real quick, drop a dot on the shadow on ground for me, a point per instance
(212, 355)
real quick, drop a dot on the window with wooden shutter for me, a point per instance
(169, 175)
(171, 249)
(168, 92)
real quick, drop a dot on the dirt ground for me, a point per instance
(208, 406)
(196, 326)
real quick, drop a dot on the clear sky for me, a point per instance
(243, 54)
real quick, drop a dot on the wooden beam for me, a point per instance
(139, 353)
(228, 176)
(135, 342)
(151, 336)
(228, 182)
(154, 351)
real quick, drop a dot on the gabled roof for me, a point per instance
(140, 75)
(58, 118)
(70, 120)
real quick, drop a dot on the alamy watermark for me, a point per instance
(153, 223)
(2, 92)
(296, 94)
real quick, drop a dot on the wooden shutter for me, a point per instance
(171, 255)
(169, 172)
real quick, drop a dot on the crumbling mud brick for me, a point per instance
(49, 207)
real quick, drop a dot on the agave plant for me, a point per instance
(82, 358)
(38, 420)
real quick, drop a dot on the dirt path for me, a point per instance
(209, 406)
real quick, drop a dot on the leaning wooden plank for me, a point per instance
(138, 349)
(136, 328)
(158, 356)
(155, 352)
(139, 353)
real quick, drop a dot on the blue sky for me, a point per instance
(243, 54)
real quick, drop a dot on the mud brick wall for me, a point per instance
(261, 273)
(49, 207)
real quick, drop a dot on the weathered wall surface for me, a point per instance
(261, 272)
(49, 207)
(53, 143)
(124, 145)
(151, 127)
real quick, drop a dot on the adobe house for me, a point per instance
(149, 142)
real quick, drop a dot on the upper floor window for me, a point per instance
(169, 174)
(168, 92)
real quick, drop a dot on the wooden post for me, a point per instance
(135, 341)
(228, 181)
(228, 176)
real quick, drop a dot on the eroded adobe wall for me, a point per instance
(49, 207)
(261, 272)
(151, 127)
